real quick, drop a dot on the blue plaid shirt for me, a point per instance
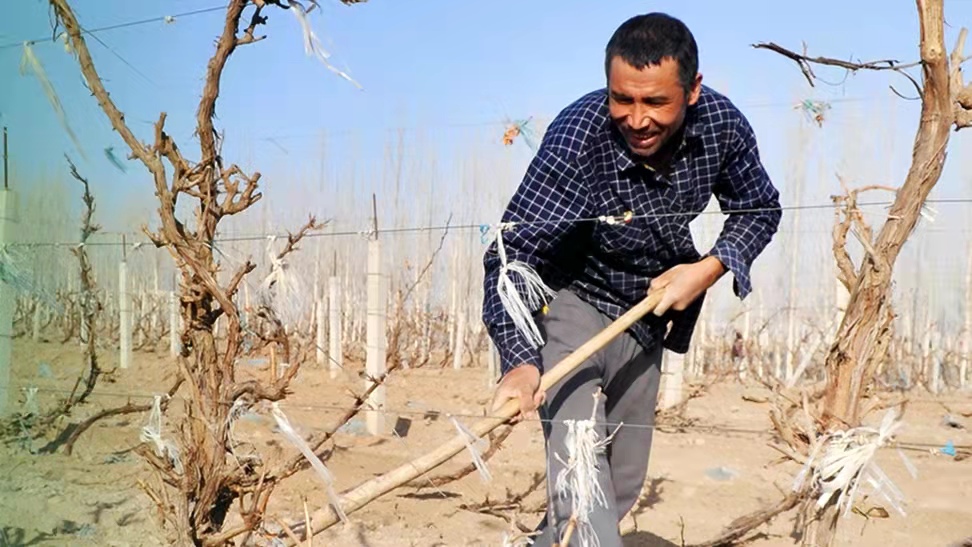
(583, 170)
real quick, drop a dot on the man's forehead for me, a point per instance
(626, 78)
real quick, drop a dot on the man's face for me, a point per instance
(648, 105)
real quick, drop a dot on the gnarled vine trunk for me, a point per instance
(862, 340)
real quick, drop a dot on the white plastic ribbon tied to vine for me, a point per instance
(66, 42)
(12, 269)
(16, 272)
(284, 424)
(152, 433)
(842, 461)
(282, 288)
(240, 407)
(312, 45)
(577, 481)
(475, 445)
(30, 63)
(31, 407)
(516, 539)
(521, 307)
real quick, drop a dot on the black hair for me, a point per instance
(645, 40)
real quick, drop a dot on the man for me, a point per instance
(602, 216)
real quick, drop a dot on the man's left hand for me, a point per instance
(684, 283)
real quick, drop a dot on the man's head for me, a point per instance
(651, 64)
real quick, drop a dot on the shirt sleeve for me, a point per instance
(746, 193)
(543, 209)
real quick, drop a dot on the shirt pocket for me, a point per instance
(622, 239)
(693, 186)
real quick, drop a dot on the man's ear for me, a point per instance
(695, 90)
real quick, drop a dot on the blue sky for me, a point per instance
(436, 64)
(451, 72)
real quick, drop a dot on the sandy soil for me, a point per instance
(699, 479)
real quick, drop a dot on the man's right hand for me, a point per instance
(521, 384)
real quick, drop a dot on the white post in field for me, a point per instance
(791, 316)
(841, 297)
(762, 337)
(349, 321)
(334, 352)
(451, 322)
(317, 313)
(744, 361)
(493, 371)
(924, 357)
(934, 352)
(36, 321)
(701, 355)
(375, 365)
(458, 309)
(124, 315)
(142, 310)
(950, 346)
(154, 317)
(83, 330)
(459, 342)
(174, 345)
(8, 221)
(673, 372)
(424, 309)
(321, 330)
(809, 351)
(967, 334)
(157, 315)
(789, 355)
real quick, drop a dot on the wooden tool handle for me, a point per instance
(366, 492)
(589, 348)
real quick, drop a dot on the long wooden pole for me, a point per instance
(378, 486)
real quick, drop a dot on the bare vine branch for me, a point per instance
(806, 63)
(428, 265)
(90, 311)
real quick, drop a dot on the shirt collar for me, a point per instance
(692, 133)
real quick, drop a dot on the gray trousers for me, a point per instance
(628, 376)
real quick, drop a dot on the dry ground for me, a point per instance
(698, 479)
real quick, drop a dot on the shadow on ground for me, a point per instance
(646, 539)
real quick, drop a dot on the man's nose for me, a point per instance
(639, 119)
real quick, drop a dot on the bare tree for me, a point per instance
(864, 334)
(197, 489)
(91, 309)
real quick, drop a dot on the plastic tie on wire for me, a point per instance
(475, 446)
(519, 307)
(617, 219)
(484, 230)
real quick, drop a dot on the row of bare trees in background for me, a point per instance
(433, 297)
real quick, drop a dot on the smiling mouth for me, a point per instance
(644, 141)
